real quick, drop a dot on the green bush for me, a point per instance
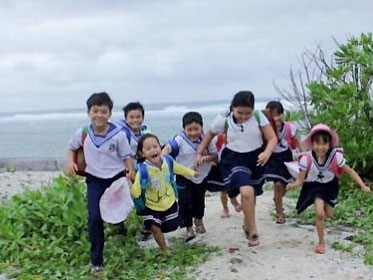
(44, 235)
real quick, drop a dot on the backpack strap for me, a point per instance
(170, 162)
(84, 134)
(257, 117)
(309, 161)
(128, 133)
(334, 164)
(174, 148)
(144, 176)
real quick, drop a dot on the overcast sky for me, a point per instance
(54, 54)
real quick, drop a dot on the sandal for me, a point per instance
(247, 233)
(253, 240)
(320, 249)
(162, 255)
(225, 214)
(200, 228)
(281, 218)
(189, 236)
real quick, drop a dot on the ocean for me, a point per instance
(45, 134)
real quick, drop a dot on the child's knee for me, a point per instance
(247, 193)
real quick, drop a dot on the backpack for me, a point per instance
(129, 133)
(79, 159)
(144, 183)
(337, 171)
(175, 147)
(291, 140)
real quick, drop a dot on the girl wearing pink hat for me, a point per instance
(319, 172)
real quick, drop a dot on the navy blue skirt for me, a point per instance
(240, 169)
(275, 170)
(215, 182)
(310, 190)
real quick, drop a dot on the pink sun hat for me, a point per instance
(116, 202)
(321, 127)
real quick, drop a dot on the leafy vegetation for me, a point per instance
(43, 235)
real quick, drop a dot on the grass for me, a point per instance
(43, 235)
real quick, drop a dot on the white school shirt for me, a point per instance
(282, 144)
(106, 160)
(244, 137)
(318, 173)
(187, 155)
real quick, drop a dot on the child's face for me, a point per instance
(151, 150)
(242, 114)
(193, 131)
(277, 118)
(134, 119)
(320, 146)
(99, 115)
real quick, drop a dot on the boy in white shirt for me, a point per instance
(108, 157)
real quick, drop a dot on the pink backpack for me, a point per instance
(337, 171)
(292, 140)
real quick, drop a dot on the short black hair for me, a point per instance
(242, 99)
(275, 107)
(99, 99)
(140, 145)
(133, 106)
(192, 117)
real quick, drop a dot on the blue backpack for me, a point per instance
(144, 183)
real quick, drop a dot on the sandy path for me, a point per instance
(285, 251)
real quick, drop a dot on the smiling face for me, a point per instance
(134, 119)
(320, 146)
(242, 113)
(151, 150)
(193, 131)
(100, 116)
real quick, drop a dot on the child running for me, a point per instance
(161, 209)
(191, 190)
(107, 155)
(275, 169)
(215, 181)
(243, 156)
(321, 168)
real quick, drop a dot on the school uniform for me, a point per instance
(133, 138)
(321, 181)
(104, 156)
(275, 169)
(191, 189)
(238, 160)
(161, 207)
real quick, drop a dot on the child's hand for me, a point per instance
(131, 175)
(366, 189)
(198, 161)
(263, 157)
(71, 169)
(196, 173)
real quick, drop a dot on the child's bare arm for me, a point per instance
(204, 144)
(130, 167)
(166, 149)
(71, 166)
(298, 182)
(353, 174)
(271, 138)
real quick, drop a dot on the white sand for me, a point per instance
(285, 251)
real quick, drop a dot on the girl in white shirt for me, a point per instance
(320, 169)
(243, 156)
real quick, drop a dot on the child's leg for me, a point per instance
(185, 208)
(279, 192)
(248, 206)
(320, 217)
(224, 203)
(95, 223)
(236, 204)
(159, 237)
(198, 206)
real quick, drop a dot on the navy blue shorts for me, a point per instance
(240, 169)
(167, 220)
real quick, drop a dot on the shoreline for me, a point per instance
(32, 164)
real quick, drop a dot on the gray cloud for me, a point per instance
(54, 54)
